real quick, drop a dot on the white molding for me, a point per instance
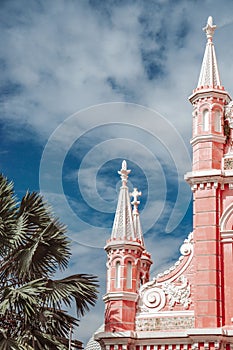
(162, 314)
(114, 244)
(117, 335)
(225, 217)
(228, 173)
(209, 137)
(205, 331)
(209, 92)
(120, 296)
(203, 173)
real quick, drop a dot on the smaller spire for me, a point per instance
(136, 219)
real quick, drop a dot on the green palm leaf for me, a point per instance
(33, 245)
(22, 299)
(80, 287)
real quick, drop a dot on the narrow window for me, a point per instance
(195, 121)
(217, 121)
(129, 275)
(205, 120)
(118, 275)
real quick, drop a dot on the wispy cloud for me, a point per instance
(64, 57)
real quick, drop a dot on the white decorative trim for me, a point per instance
(206, 138)
(119, 244)
(225, 217)
(185, 249)
(202, 93)
(227, 237)
(120, 296)
(204, 173)
(178, 294)
(167, 314)
(153, 298)
(229, 113)
(205, 331)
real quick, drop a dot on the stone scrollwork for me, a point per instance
(187, 246)
(186, 250)
(178, 293)
(154, 298)
(229, 114)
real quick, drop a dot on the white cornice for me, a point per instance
(162, 314)
(208, 175)
(209, 92)
(213, 176)
(206, 138)
(173, 337)
(120, 296)
(111, 337)
(119, 244)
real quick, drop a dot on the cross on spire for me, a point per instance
(135, 202)
(209, 28)
(124, 172)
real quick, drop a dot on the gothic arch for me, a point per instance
(226, 221)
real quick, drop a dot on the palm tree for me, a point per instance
(33, 245)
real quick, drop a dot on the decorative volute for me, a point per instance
(209, 76)
(123, 226)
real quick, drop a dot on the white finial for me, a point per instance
(124, 172)
(209, 28)
(135, 194)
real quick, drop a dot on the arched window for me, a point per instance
(205, 120)
(118, 275)
(217, 121)
(129, 275)
(195, 121)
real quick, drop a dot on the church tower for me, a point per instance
(189, 306)
(128, 262)
(211, 180)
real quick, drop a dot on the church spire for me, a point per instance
(136, 218)
(123, 226)
(209, 76)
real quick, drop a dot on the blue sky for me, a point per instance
(86, 84)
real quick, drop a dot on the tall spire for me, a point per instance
(123, 226)
(209, 76)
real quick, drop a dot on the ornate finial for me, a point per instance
(209, 28)
(124, 173)
(135, 201)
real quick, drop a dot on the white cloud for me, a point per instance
(58, 59)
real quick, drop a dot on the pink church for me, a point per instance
(190, 305)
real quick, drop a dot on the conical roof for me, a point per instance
(209, 76)
(125, 226)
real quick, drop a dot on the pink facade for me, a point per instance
(190, 305)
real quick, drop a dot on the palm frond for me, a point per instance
(39, 340)
(55, 322)
(7, 214)
(33, 245)
(23, 299)
(80, 287)
(7, 342)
